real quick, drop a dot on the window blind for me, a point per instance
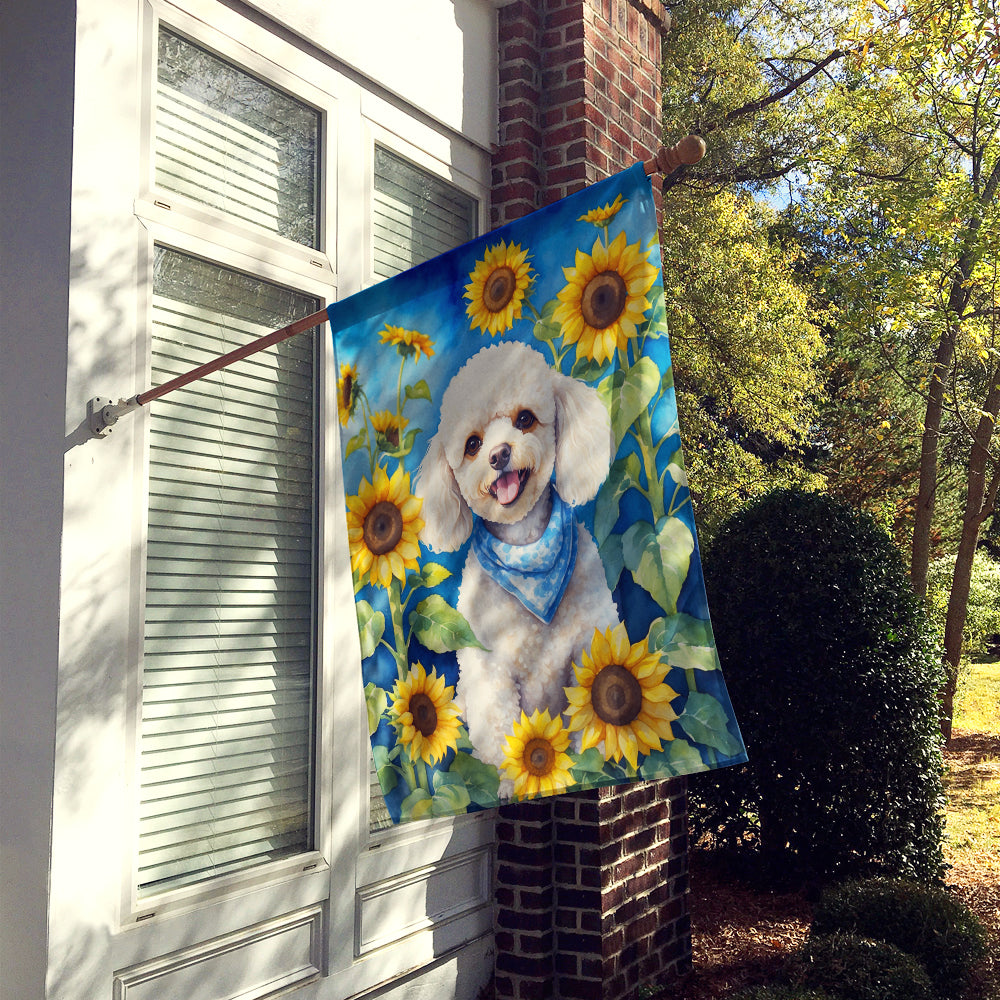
(416, 216)
(228, 140)
(228, 679)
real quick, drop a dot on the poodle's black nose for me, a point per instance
(500, 456)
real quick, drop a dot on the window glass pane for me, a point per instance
(417, 215)
(228, 659)
(231, 141)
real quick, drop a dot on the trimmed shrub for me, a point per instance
(925, 922)
(856, 968)
(833, 671)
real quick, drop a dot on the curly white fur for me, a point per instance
(508, 421)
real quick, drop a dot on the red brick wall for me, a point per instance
(591, 888)
(579, 96)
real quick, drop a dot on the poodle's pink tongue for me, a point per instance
(507, 487)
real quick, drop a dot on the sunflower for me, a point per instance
(497, 288)
(534, 756)
(620, 697)
(605, 298)
(408, 342)
(425, 715)
(383, 526)
(600, 216)
(389, 427)
(348, 391)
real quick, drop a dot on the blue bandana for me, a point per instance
(537, 573)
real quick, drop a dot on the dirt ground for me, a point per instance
(742, 935)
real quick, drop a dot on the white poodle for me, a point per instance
(533, 586)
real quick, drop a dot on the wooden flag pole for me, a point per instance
(103, 413)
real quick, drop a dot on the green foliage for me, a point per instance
(926, 922)
(857, 968)
(747, 353)
(983, 611)
(833, 672)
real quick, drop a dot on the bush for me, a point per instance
(833, 672)
(856, 968)
(925, 922)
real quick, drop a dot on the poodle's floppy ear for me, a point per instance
(583, 440)
(447, 517)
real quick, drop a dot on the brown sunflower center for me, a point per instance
(499, 289)
(383, 528)
(424, 712)
(616, 695)
(539, 757)
(603, 299)
(348, 389)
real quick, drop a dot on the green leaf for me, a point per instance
(613, 559)
(588, 370)
(692, 657)
(439, 627)
(628, 392)
(678, 757)
(416, 805)
(481, 780)
(419, 390)
(659, 558)
(587, 764)
(705, 721)
(622, 476)
(451, 799)
(360, 440)
(388, 777)
(657, 323)
(371, 628)
(376, 701)
(434, 574)
(545, 328)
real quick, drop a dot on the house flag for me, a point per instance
(529, 593)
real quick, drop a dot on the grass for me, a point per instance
(972, 848)
(978, 697)
(973, 784)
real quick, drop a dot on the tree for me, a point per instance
(914, 179)
(748, 358)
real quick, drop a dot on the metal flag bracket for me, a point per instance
(103, 413)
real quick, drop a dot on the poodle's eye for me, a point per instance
(472, 444)
(525, 420)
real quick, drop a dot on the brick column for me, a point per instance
(591, 889)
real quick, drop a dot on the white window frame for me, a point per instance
(351, 870)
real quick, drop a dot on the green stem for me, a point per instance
(654, 492)
(399, 396)
(422, 777)
(396, 609)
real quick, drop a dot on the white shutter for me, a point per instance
(416, 216)
(228, 661)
